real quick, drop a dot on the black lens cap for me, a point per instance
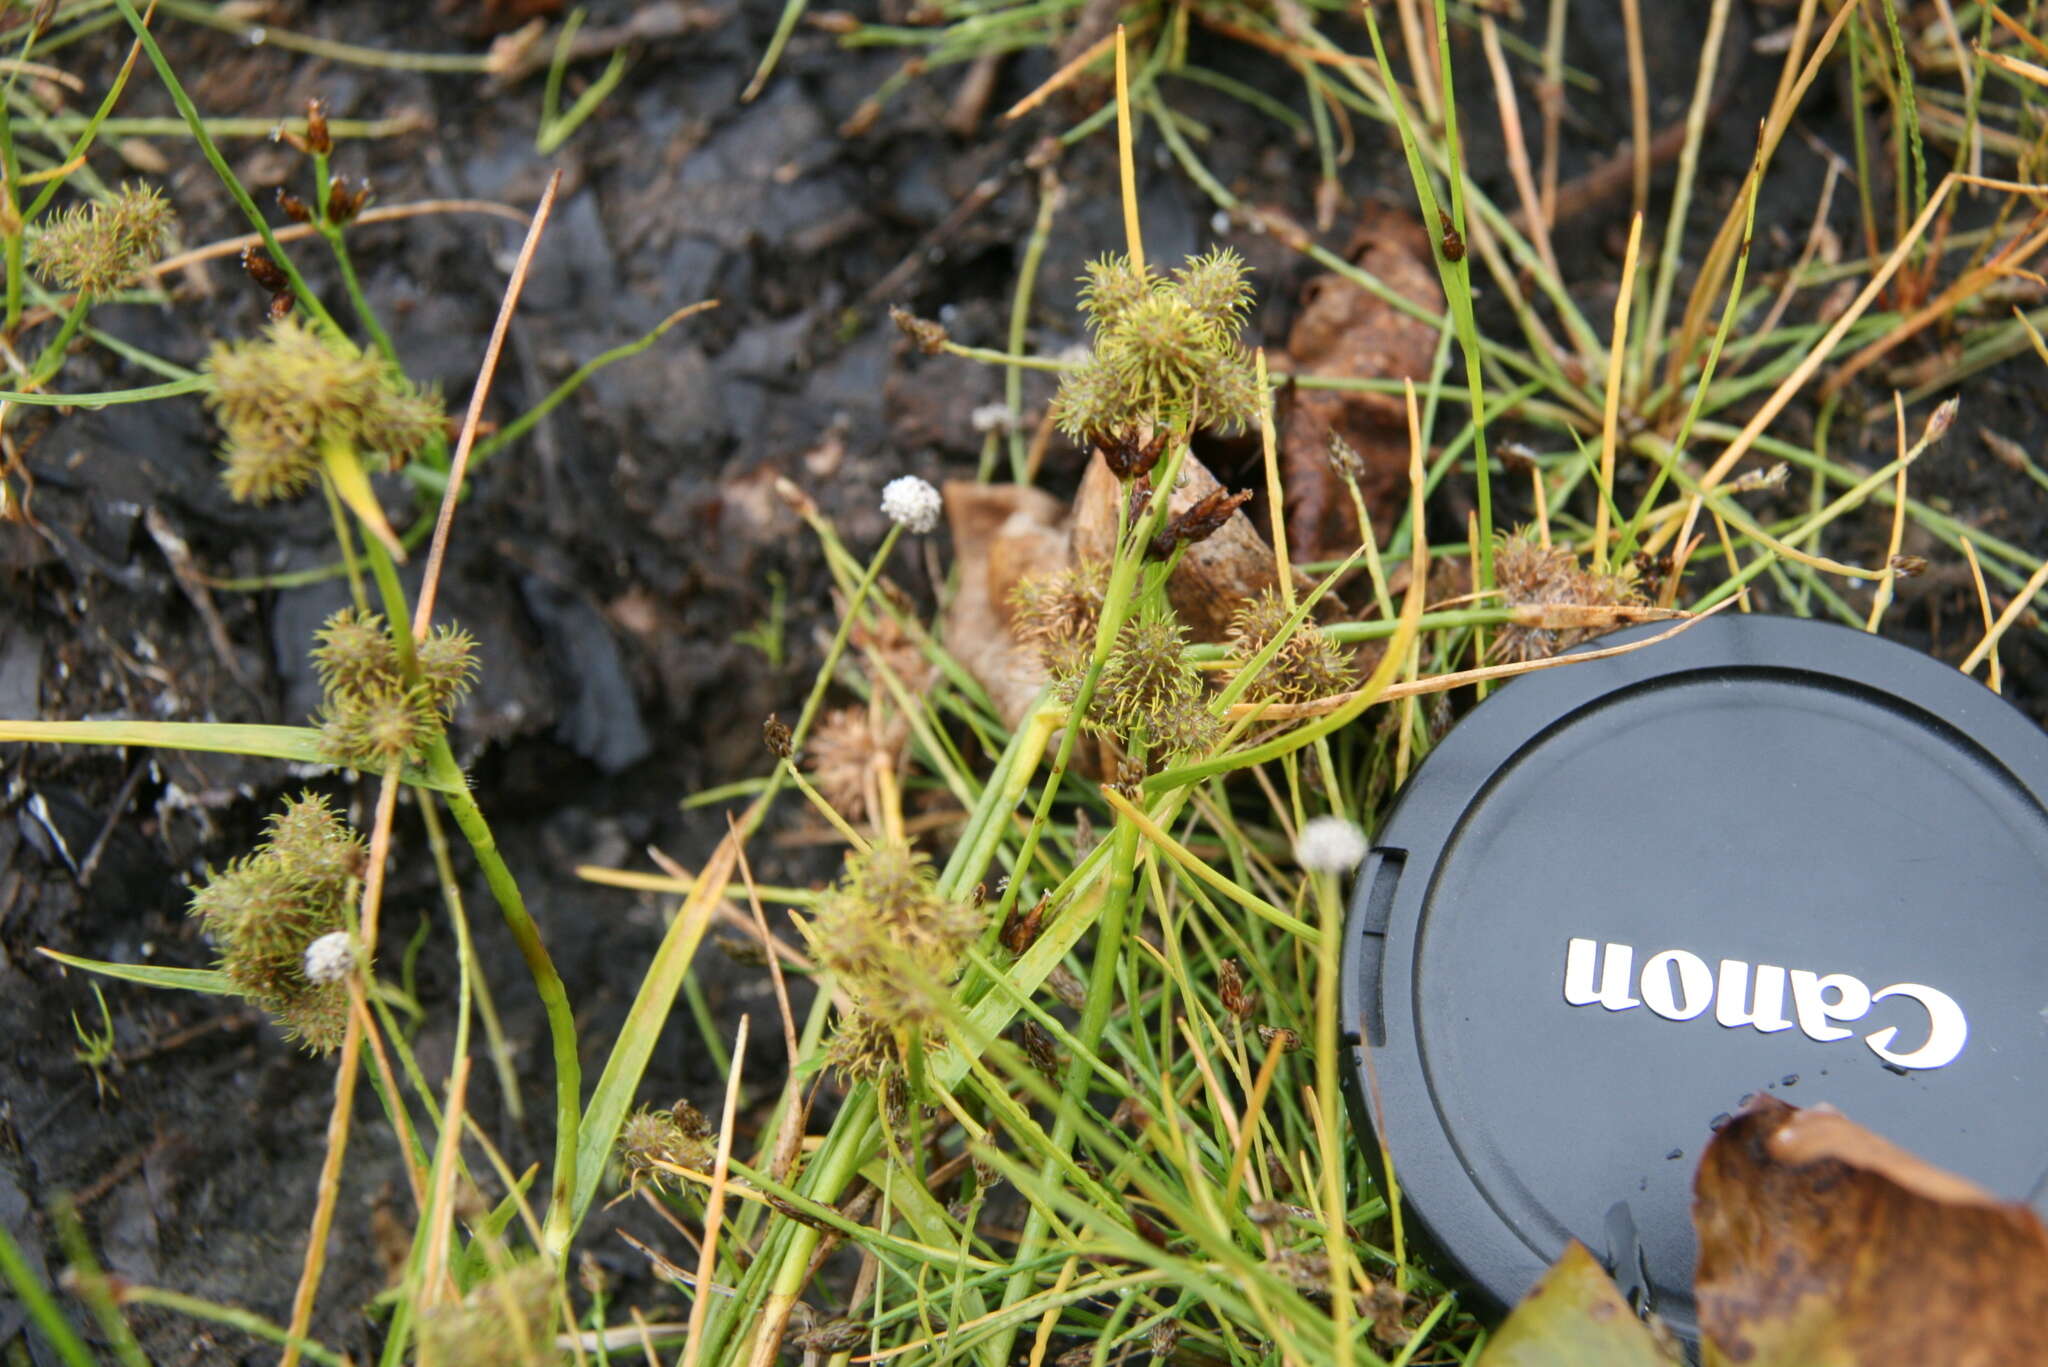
(1624, 894)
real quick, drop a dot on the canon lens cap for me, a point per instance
(1624, 894)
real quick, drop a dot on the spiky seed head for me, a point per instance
(379, 725)
(354, 651)
(1166, 350)
(448, 668)
(1111, 287)
(400, 421)
(95, 249)
(267, 910)
(1307, 665)
(649, 1138)
(1532, 574)
(894, 941)
(1215, 287)
(862, 1048)
(507, 1320)
(263, 462)
(1057, 612)
(281, 396)
(315, 848)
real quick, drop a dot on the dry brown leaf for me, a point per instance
(1347, 333)
(1214, 576)
(1825, 1246)
(1001, 532)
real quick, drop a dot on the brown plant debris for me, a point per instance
(1533, 575)
(1345, 332)
(1823, 1244)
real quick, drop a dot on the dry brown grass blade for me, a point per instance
(1997, 676)
(1793, 383)
(1062, 78)
(423, 611)
(293, 232)
(1517, 148)
(1440, 683)
(714, 1199)
(344, 1077)
(2012, 26)
(2009, 258)
(1638, 103)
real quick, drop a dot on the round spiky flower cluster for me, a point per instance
(371, 715)
(1057, 614)
(1531, 574)
(896, 944)
(266, 910)
(1149, 695)
(1167, 350)
(651, 1142)
(506, 1320)
(284, 398)
(94, 249)
(1307, 665)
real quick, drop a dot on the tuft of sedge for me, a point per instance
(1148, 693)
(895, 943)
(1531, 574)
(843, 752)
(1307, 665)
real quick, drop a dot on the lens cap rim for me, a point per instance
(1443, 1200)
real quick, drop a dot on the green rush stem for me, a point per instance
(331, 232)
(254, 1325)
(556, 1230)
(10, 206)
(41, 1307)
(300, 289)
(1020, 317)
(1109, 945)
(458, 917)
(52, 360)
(440, 761)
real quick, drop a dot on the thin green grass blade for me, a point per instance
(300, 744)
(663, 983)
(168, 390)
(42, 1308)
(207, 980)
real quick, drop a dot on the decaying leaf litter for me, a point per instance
(1124, 1192)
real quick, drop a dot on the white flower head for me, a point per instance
(990, 417)
(911, 503)
(1330, 844)
(330, 958)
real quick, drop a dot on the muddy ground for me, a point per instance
(606, 564)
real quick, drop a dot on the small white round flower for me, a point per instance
(991, 417)
(911, 503)
(1330, 844)
(330, 958)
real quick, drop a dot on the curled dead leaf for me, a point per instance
(1230, 566)
(1001, 532)
(1823, 1245)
